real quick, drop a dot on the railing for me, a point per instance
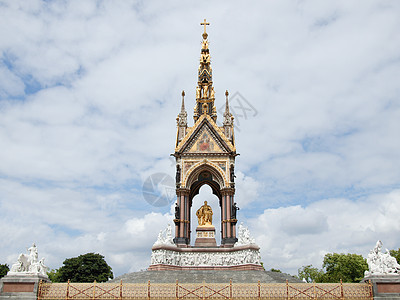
(204, 291)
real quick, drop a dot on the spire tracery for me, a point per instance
(205, 99)
(205, 94)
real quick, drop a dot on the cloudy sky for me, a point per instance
(89, 94)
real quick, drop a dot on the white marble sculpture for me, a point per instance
(28, 264)
(170, 257)
(244, 237)
(165, 237)
(381, 263)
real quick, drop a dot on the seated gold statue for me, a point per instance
(204, 214)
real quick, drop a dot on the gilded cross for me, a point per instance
(205, 24)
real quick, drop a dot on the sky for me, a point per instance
(89, 95)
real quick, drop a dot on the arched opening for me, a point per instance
(205, 177)
(186, 221)
(206, 193)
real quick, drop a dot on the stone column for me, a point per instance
(228, 224)
(228, 216)
(183, 209)
(233, 219)
(182, 229)
(223, 218)
(187, 217)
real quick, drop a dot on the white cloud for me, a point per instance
(293, 236)
(246, 189)
(11, 84)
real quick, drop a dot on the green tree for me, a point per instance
(396, 254)
(85, 268)
(348, 267)
(310, 274)
(276, 270)
(3, 270)
(54, 275)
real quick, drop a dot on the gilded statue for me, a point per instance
(205, 91)
(212, 93)
(204, 214)
(198, 92)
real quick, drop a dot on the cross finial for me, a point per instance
(205, 24)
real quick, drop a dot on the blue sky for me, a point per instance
(89, 94)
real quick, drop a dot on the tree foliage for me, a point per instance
(336, 267)
(54, 275)
(84, 268)
(345, 267)
(310, 274)
(395, 254)
(276, 270)
(3, 270)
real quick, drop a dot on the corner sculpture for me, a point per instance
(244, 237)
(28, 264)
(165, 237)
(381, 263)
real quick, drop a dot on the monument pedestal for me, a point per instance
(205, 254)
(385, 287)
(24, 286)
(205, 236)
(171, 257)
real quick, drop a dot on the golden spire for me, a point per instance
(205, 91)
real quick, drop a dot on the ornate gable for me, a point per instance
(205, 137)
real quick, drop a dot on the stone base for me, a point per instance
(182, 242)
(385, 286)
(24, 286)
(205, 236)
(171, 257)
(228, 242)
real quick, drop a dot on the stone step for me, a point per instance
(198, 276)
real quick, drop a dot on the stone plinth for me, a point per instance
(205, 236)
(170, 257)
(385, 286)
(24, 286)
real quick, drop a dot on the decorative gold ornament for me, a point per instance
(205, 24)
(205, 108)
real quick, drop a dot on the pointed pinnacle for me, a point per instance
(183, 101)
(226, 103)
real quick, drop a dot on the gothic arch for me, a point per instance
(217, 174)
(205, 178)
